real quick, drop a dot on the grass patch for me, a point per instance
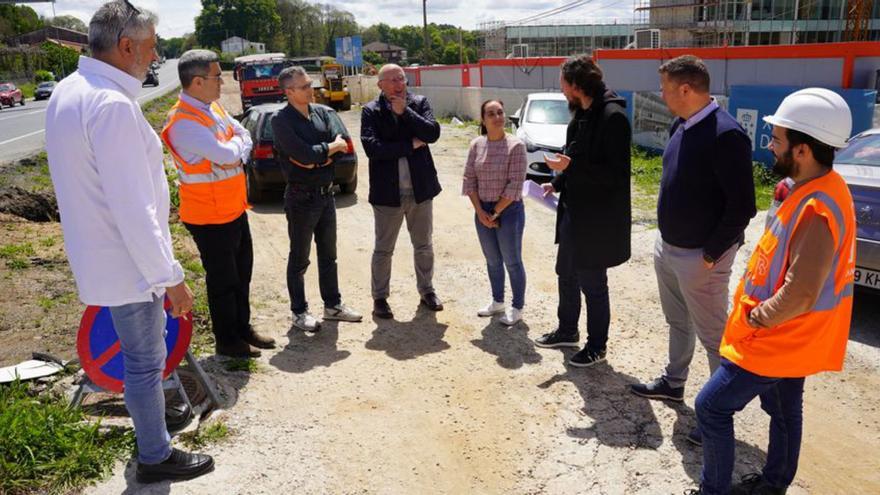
(48, 447)
(765, 183)
(249, 365)
(16, 255)
(27, 90)
(48, 303)
(49, 241)
(156, 111)
(31, 173)
(212, 433)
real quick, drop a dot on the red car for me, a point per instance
(10, 95)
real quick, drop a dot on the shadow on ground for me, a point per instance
(404, 340)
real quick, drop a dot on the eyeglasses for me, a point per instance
(302, 87)
(396, 80)
(132, 11)
(219, 76)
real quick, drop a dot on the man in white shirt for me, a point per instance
(106, 165)
(209, 147)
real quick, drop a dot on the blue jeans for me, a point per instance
(141, 331)
(311, 213)
(502, 247)
(592, 282)
(729, 390)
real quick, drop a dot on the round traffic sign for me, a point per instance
(99, 348)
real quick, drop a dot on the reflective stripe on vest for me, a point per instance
(815, 340)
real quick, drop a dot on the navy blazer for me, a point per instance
(387, 137)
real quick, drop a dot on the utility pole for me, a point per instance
(460, 48)
(427, 46)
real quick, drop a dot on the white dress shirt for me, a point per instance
(195, 142)
(106, 165)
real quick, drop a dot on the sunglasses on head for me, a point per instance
(132, 11)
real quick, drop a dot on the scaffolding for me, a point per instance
(695, 22)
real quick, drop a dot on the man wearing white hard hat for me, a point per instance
(791, 312)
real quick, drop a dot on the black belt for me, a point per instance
(324, 190)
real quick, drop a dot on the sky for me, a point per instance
(176, 17)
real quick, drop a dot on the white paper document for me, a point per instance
(534, 190)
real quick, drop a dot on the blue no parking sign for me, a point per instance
(99, 349)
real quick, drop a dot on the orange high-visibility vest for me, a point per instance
(209, 194)
(816, 340)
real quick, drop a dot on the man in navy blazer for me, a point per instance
(396, 129)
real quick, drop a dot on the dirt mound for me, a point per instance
(33, 206)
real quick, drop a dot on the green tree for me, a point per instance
(69, 22)
(336, 23)
(373, 58)
(60, 59)
(254, 20)
(15, 20)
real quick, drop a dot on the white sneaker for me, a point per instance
(306, 322)
(492, 308)
(342, 312)
(511, 316)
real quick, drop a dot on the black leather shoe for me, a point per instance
(177, 415)
(179, 466)
(240, 349)
(381, 309)
(257, 340)
(432, 302)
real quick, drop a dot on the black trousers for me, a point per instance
(311, 214)
(227, 254)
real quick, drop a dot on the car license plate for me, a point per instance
(867, 278)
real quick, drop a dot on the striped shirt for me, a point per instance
(495, 168)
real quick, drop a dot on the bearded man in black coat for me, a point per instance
(594, 216)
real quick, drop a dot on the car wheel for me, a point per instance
(22, 101)
(351, 187)
(254, 193)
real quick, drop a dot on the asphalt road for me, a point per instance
(22, 128)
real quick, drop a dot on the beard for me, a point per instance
(574, 106)
(784, 165)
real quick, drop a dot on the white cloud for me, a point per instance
(176, 17)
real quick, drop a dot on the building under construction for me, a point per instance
(689, 23)
(679, 23)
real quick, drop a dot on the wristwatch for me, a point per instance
(708, 259)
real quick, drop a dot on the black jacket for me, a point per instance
(386, 138)
(595, 188)
(305, 140)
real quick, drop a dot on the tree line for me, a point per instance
(301, 28)
(295, 27)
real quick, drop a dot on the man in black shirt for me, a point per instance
(305, 143)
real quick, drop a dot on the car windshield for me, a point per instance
(548, 112)
(262, 71)
(46, 84)
(5, 87)
(864, 150)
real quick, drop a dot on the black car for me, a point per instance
(263, 172)
(44, 90)
(152, 78)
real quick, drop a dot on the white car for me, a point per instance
(541, 123)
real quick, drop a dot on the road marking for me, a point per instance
(22, 137)
(22, 114)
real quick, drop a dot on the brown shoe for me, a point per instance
(239, 349)
(260, 341)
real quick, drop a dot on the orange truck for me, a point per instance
(257, 77)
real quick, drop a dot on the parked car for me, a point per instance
(44, 90)
(152, 78)
(263, 172)
(859, 164)
(540, 123)
(10, 95)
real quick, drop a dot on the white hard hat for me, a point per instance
(817, 112)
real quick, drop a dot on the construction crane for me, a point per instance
(858, 14)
